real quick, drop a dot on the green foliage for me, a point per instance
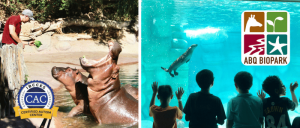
(45, 10)
(26, 78)
(128, 9)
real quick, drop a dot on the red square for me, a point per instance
(254, 44)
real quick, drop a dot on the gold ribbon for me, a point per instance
(35, 112)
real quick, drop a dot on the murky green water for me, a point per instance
(63, 100)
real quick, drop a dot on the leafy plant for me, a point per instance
(26, 78)
(271, 23)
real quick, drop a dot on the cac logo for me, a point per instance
(36, 94)
(35, 100)
(265, 38)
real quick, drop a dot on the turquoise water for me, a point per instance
(165, 38)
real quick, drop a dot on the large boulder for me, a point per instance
(161, 27)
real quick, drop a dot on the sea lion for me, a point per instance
(184, 58)
(108, 102)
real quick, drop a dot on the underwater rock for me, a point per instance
(179, 43)
(213, 42)
(179, 35)
(177, 27)
(161, 28)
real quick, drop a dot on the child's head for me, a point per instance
(205, 78)
(243, 81)
(165, 93)
(273, 86)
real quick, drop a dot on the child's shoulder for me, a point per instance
(280, 98)
(204, 95)
(154, 107)
(243, 97)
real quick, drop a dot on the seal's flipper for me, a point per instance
(171, 74)
(187, 60)
(165, 69)
(176, 73)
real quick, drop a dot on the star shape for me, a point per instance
(277, 46)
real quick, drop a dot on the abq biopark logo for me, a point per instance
(35, 100)
(265, 38)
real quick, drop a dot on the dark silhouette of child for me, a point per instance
(165, 116)
(244, 110)
(202, 109)
(275, 108)
(296, 123)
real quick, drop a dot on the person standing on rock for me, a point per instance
(13, 69)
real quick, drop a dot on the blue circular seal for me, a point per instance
(36, 94)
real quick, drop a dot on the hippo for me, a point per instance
(75, 82)
(73, 79)
(108, 102)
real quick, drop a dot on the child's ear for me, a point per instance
(171, 96)
(157, 97)
(236, 85)
(212, 84)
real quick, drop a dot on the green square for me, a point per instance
(277, 21)
(282, 42)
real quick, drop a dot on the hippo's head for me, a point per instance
(112, 57)
(67, 76)
(114, 49)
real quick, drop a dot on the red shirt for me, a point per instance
(6, 37)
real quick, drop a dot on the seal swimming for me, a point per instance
(184, 58)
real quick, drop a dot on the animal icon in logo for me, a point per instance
(252, 23)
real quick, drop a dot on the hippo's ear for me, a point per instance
(77, 71)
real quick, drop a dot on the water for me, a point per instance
(164, 39)
(63, 100)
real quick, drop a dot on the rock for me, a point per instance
(25, 27)
(129, 38)
(66, 38)
(63, 46)
(177, 28)
(83, 37)
(45, 40)
(178, 35)
(213, 42)
(179, 44)
(161, 27)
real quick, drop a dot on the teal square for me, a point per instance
(277, 44)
